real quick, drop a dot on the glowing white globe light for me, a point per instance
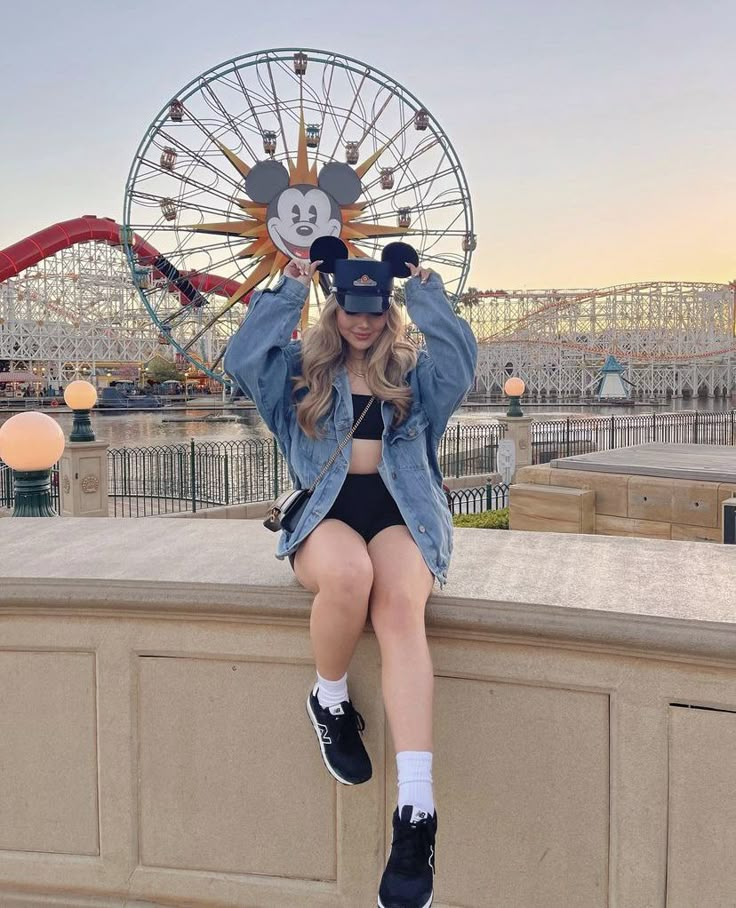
(31, 441)
(80, 395)
(514, 387)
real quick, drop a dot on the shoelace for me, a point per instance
(411, 846)
(349, 725)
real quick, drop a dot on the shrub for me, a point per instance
(485, 520)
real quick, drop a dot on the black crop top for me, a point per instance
(372, 424)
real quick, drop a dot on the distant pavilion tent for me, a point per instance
(19, 377)
(611, 381)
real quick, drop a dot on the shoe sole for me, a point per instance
(425, 905)
(315, 725)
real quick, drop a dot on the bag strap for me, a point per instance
(342, 444)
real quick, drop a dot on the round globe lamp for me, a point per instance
(513, 389)
(30, 444)
(81, 396)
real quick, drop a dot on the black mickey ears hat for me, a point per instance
(397, 254)
(362, 284)
(329, 249)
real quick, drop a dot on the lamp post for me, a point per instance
(81, 396)
(30, 444)
(83, 467)
(515, 448)
(513, 389)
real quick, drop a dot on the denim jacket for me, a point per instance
(261, 357)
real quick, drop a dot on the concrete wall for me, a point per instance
(156, 751)
(623, 504)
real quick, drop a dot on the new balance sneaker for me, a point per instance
(408, 880)
(338, 730)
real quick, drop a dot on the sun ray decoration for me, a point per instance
(257, 157)
(262, 246)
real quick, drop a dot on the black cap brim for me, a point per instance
(357, 303)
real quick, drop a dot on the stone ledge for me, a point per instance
(609, 591)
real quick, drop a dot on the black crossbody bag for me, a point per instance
(286, 510)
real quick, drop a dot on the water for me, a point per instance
(163, 427)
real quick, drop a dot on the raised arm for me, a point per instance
(445, 370)
(260, 356)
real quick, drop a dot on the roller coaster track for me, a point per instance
(47, 242)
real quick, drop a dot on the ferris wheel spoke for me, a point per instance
(195, 184)
(250, 103)
(326, 89)
(218, 359)
(442, 260)
(207, 250)
(210, 95)
(415, 184)
(426, 206)
(156, 201)
(360, 104)
(349, 113)
(202, 160)
(277, 105)
(202, 127)
(376, 117)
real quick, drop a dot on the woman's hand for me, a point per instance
(302, 271)
(422, 273)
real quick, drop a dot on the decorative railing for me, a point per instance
(145, 481)
(582, 435)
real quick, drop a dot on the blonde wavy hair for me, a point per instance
(324, 350)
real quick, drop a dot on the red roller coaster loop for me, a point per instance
(47, 242)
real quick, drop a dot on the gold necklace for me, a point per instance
(361, 374)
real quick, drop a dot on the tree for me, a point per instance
(160, 369)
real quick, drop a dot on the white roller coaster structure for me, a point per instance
(69, 312)
(73, 313)
(674, 339)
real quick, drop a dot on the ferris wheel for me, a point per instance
(254, 159)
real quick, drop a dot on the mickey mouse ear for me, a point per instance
(266, 180)
(329, 249)
(396, 254)
(341, 182)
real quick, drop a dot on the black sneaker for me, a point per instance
(338, 731)
(408, 880)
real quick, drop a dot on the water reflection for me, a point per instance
(176, 426)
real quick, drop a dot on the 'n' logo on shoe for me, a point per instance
(325, 736)
(431, 858)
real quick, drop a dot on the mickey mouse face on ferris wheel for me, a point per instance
(298, 215)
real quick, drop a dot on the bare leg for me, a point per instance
(333, 562)
(401, 586)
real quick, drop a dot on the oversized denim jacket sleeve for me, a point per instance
(445, 369)
(262, 358)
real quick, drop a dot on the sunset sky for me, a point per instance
(598, 138)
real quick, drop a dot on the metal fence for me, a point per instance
(563, 438)
(158, 480)
(483, 498)
(147, 481)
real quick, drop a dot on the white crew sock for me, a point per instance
(414, 769)
(330, 693)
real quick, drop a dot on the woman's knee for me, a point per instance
(334, 557)
(348, 574)
(396, 614)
